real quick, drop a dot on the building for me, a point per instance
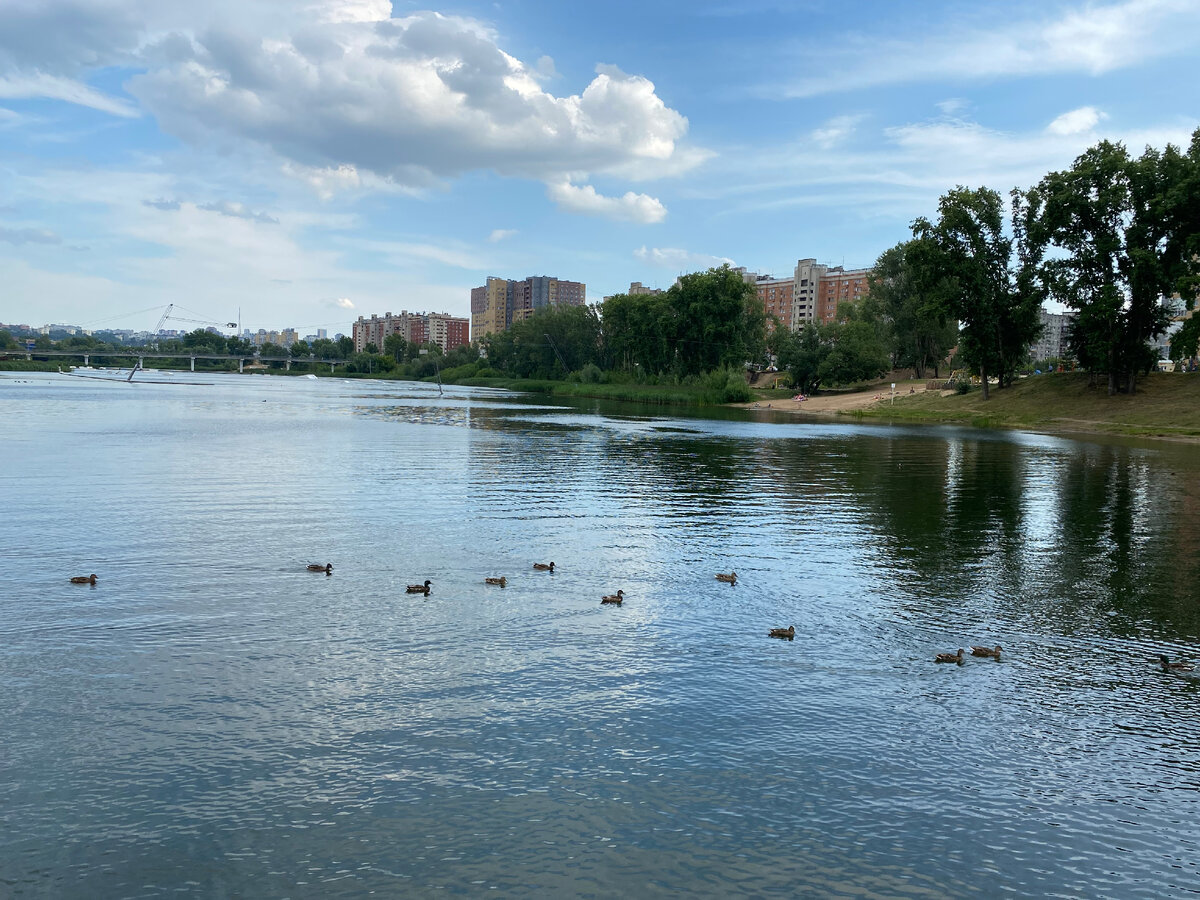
(1053, 341)
(838, 285)
(443, 329)
(637, 289)
(500, 302)
(776, 296)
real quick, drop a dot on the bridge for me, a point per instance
(141, 354)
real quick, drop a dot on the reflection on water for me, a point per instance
(212, 719)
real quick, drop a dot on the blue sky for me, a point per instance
(308, 162)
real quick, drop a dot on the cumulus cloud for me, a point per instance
(500, 234)
(629, 207)
(679, 260)
(413, 100)
(20, 236)
(343, 303)
(1077, 121)
(164, 205)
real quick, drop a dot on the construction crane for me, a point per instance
(167, 315)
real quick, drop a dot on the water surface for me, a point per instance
(212, 720)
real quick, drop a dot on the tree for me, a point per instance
(300, 349)
(921, 333)
(7, 341)
(345, 346)
(855, 353)
(967, 254)
(1119, 230)
(395, 346)
(720, 322)
(800, 354)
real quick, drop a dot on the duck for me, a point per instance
(993, 652)
(613, 598)
(88, 579)
(786, 633)
(950, 657)
(731, 577)
(419, 588)
(317, 567)
(1167, 665)
(502, 581)
(544, 567)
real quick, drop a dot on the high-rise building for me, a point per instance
(500, 302)
(1053, 341)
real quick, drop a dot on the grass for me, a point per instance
(1165, 405)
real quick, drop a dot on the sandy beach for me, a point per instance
(831, 404)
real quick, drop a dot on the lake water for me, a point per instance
(212, 720)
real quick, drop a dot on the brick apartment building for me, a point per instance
(443, 329)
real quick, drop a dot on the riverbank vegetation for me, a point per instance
(1165, 405)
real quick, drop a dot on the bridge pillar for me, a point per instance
(193, 364)
(331, 365)
(240, 361)
(85, 361)
(287, 366)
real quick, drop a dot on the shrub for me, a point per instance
(591, 374)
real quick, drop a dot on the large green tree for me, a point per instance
(720, 322)
(921, 332)
(1115, 230)
(968, 254)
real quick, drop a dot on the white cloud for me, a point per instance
(1077, 121)
(40, 86)
(836, 130)
(902, 170)
(236, 211)
(344, 303)
(447, 256)
(412, 100)
(1092, 39)
(629, 207)
(501, 233)
(679, 260)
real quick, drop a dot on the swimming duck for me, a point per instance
(1167, 665)
(786, 633)
(544, 567)
(731, 577)
(993, 652)
(419, 588)
(613, 598)
(317, 567)
(950, 657)
(91, 579)
(502, 581)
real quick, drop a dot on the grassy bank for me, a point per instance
(1165, 405)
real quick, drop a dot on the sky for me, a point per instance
(298, 164)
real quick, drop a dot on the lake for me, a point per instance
(210, 719)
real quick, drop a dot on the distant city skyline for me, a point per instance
(311, 163)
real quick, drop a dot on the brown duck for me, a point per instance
(950, 657)
(83, 579)
(419, 588)
(786, 633)
(613, 598)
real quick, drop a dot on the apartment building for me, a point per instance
(1053, 341)
(443, 329)
(776, 296)
(500, 302)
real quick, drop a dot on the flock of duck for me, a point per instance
(786, 634)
